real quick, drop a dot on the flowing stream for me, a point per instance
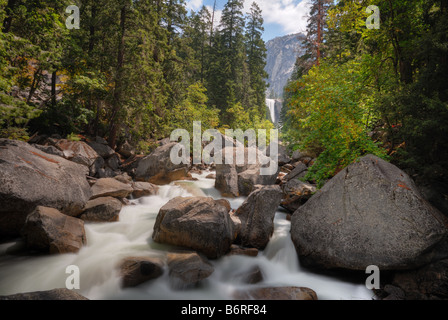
(108, 243)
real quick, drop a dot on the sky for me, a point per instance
(281, 17)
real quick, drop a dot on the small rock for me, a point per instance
(137, 270)
(102, 149)
(109, 187)
(105, 209)
(188, 269)
(211, 176)
(144, 189)
(280, 293)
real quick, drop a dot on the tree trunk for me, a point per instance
(7, 22)
(53, 88)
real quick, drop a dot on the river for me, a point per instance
(108, 243)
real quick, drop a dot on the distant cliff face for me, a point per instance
(282, 53)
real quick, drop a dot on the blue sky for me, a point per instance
(281, 17)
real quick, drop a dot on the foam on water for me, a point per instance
(108, 243)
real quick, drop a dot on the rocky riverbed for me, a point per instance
(139, 226)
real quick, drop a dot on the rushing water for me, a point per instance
(108, 243)
(271, 106)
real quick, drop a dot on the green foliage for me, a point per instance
(328, 116)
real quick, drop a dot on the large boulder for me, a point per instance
(30, 178)
(158, 168)
(370, 213)
(137, 270)
(238, 179)
(257, 216)
(199, 223)
(48, 230)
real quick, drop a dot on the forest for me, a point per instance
(382, 91)
(136, 70)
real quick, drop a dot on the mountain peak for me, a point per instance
(282, 53)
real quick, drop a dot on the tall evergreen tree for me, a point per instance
(256, 59)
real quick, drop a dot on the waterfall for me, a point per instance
(271, 105)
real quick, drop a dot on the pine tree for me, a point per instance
(256, 59)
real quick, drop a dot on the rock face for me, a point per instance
(235, 179)
(106, 209)
(157, 168)
(46, 229)
(198, 223)
(282, 53)
(30, 178)
(187, 269)
(56, 294)
(137, 270)
(257, 216)
(280, 293)
(370, 213)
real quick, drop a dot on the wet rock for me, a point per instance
(137, 270)
(199, 223)
(257, 216)
(105, 209)
(109, 187)
(48, 230)
(188, 269)
(144, 189)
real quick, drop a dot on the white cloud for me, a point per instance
(291, 15)
(194, 4)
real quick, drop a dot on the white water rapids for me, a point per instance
(108, 243)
